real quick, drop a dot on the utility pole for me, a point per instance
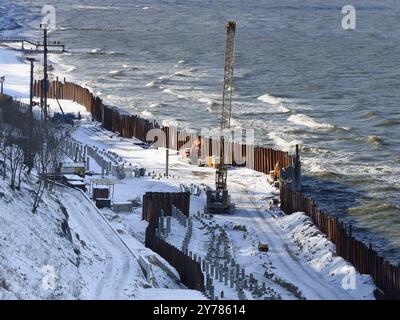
(2, 79)
(166, 161)
(29, 158)
(31, 60)
(45, 83)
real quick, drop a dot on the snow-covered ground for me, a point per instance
(300, 263)
(39, 257)
(67, 250)
(16, 73)
(68, 107)
(289, 268)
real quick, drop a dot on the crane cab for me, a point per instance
(218, 203)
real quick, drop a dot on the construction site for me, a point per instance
(229, 217)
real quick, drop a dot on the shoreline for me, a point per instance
(103, 139)
(367, 176)
(191, 177)
(21, 60)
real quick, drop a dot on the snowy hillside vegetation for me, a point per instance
(67, 251)
(39, 257)
(55, 243)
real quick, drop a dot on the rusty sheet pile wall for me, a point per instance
(261, 159)
(188, 269)
(364, 258)
(164, 201)
(258, 158)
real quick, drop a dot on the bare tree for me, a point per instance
(27, 143)
(3, 148)
(47, 161)
(12, 149)
(15, 156)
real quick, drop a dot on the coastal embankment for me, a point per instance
(364, 258)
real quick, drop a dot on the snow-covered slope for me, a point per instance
(39, 256)
(67, 250)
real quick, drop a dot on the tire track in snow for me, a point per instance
(119, 268)
(89, 237)
(302, 275)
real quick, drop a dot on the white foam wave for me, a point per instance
(170, 122)
(282, 109)
(207, 101)
(303, 120)
(151, 84)
(116, 72)
(69, 69)
(270, 99)
(96, 7)
(97, 51)
(180, 74)
(130, 67)
(171, 92)
(235, 124)
(163, 79)
(147, 114)
(155, 105)
(111, 97)
(276, 137)
(57, 61)
(314, 166)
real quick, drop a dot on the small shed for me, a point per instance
(78, 168)
(102, 188)
(74, 181)
(77, 184)
(103, 203)
(119, 207)
(101, 192)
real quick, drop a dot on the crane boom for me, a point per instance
(220, 201)
(226, 106)
(228, 75)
